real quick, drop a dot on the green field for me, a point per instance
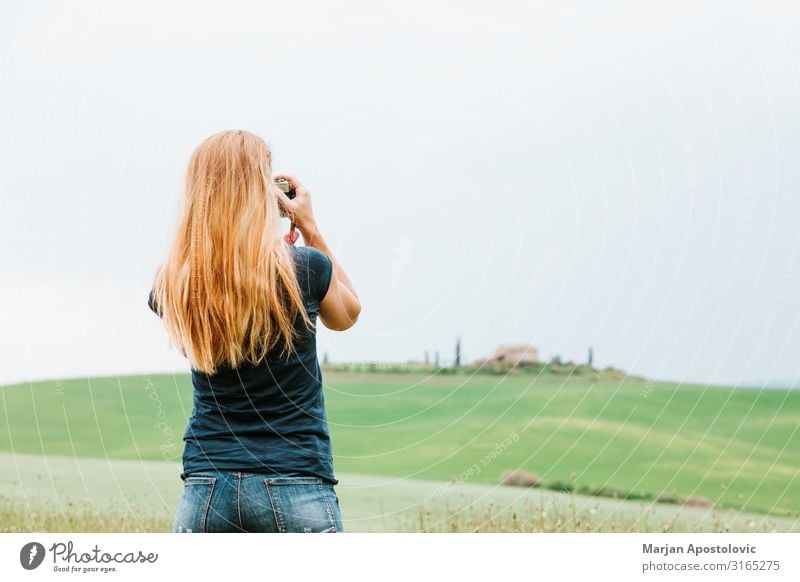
(82, 494)
(738, 448)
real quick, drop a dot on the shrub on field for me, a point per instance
(606, 491)
(562, 486)
(669, 498)
(520, 478)
(693, 501)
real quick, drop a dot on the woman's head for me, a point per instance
(237, 166)
(228, 289)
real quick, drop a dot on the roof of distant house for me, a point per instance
(505, 348)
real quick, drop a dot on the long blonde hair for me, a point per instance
(228, 292)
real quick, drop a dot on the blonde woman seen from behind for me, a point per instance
(241, 304)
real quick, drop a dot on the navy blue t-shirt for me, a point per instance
(268, 418)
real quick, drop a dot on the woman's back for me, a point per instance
(267, 418)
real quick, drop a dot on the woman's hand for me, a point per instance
(299, 208)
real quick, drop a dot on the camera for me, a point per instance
(286, 187)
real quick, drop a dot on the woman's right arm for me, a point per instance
(340, 308)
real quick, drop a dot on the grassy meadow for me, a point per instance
(738, 448)
(84, 494)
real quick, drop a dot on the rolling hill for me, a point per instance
(739, 448)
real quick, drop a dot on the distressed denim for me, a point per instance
(234, 501)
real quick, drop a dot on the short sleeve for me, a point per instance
(151, 303)
(322, 269)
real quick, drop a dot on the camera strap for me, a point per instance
(291, 238)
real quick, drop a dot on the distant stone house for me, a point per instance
(514, 354)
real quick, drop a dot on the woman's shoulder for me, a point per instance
(309, 252)
(316, 269)
(314, 258)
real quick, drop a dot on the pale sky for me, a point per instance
(570, 174)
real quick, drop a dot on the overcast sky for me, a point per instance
(623, 176)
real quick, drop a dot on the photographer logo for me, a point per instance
(31, 555)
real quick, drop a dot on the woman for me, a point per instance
(240, 303)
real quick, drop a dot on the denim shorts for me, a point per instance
(233, 501)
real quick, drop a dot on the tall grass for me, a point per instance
(527, 517)
(76, 517)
